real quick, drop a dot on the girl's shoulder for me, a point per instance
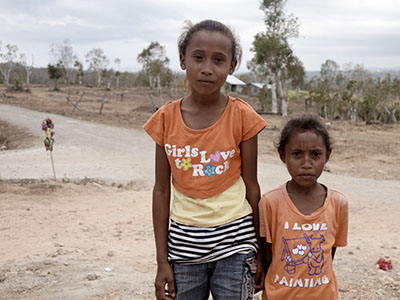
(243, 112)
(275, 195)
(168, 109)
(166, 114)
(337, 197)
(169, 106)
(240, 104)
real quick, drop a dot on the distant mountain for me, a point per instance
(311, 74)
(375, 72)
(384, 70)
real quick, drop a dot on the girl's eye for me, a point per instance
(316, 154)
(197, 57)
(219, 60)
(296, 153)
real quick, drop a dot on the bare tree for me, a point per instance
(117, 61)
(97, 62)
(7, 63)
(357, 79)
(28, 68)
(63, 53)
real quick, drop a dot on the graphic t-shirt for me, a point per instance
(204, 162)
(301, 266)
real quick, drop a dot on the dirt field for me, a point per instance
(90, 240)
(360, 150)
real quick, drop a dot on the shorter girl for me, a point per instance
(302, 222)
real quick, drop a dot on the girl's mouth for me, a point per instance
(206, 81)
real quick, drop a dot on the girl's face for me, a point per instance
(207, 61)
(305, 157)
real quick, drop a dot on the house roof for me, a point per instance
(232, 80)
(260, 85)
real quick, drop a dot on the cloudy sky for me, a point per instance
(359, 31)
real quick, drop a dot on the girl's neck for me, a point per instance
(294, 188)
(200, 113)
(307, 199)
(207, 101)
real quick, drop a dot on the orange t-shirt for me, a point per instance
(301, 266)
(204, 162)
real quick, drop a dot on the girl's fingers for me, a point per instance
(171, 289)
(160, 291)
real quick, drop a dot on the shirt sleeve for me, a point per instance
(155, 126)
(252, 122)
(343, 219)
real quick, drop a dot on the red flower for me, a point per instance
(384, 264)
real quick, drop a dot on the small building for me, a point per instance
(234, 84)
(253, 88)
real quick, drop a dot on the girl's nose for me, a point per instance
(206, 68)
(306, 162)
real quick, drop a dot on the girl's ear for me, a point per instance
(182, 61)
(282, 156)
(328, 155)
(232, 66)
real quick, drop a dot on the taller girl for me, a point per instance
(208, 142)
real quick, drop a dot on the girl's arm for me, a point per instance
(248, 151)
(267, 250)
(161, 207)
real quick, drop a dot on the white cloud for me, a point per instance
(360, 31)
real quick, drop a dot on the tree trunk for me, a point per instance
(353, 113)
(6, 75)
(284, 106)
(391, 112)
(393, 118)
(98, 77)
(274, 107)
(7, 78)
(28, 73)
(159, 84)
(283, 97)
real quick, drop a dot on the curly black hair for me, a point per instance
(306, 122)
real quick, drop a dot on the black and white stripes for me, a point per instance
(189, 244)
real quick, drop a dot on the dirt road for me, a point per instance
(66, 241)
(82, 149)
(85, 149)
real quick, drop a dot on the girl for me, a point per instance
(302, 222)
(207, 141)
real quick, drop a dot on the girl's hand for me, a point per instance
(260, 274)
(164, 276)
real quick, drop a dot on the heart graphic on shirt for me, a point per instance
(215, 157)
